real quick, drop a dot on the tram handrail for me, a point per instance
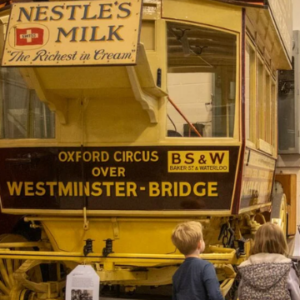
(184, 117)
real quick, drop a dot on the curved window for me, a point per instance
(201, 81)
(23, 115)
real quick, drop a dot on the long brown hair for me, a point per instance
(269, 238)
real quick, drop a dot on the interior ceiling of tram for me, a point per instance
(199, 48)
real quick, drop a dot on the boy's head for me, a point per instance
(186, 237)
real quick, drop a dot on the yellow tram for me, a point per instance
(112, 134)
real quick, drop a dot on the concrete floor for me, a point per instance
(105, 298)
(140, 297)
(142, 293)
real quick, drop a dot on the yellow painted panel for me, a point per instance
(108, 120)
(151, 237)
(60, 79)
(158, 56)
(148, 34)
(132, 236)
(119, 119)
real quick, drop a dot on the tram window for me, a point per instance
(268, 108)
(250, 97)
(22, 114)
(273, 115)
(201, 80)
(287, 106)
(261, 100)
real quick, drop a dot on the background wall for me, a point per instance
(190, 91)
(290, 164)
(296, 14)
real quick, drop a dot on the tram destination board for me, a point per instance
(118, 178)
(73, 33)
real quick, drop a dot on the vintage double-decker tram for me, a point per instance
(108, 143)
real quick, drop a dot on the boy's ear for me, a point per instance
(202, 248)
(199, 245)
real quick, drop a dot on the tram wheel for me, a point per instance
(279, 211)
(10, 289)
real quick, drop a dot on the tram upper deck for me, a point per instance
(111, 141)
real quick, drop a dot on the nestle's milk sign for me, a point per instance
(73, 33)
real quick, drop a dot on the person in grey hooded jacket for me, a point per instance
(268, 274)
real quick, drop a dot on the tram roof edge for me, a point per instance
(281, 16)
(251, 3)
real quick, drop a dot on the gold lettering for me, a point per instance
(96, 189)
(40, 190)
(116, 155)
(154, 189)
(203, 190)
(14, 188)
(154, 156)
(166, 189)
(120, 189)
(129, 156)
(212, 189)
(108, 186)
(104, 156)
(65, 189)
(183, 185)
(28, 188)
(121, 172)
(75, 188)
(135, 156)
(131, 189)
(51, 185)
(175, 189)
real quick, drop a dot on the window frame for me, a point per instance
(31, 102)
(264, 105)
(252, 122)
(236, 135)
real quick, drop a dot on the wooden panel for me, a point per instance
(289, 184)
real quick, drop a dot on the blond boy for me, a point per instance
(195, 279)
